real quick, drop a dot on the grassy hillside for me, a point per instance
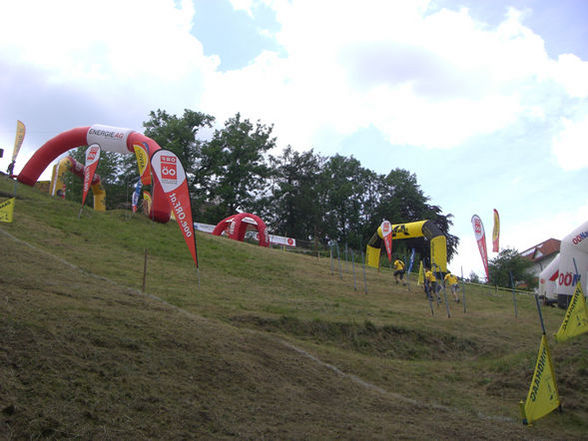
(270, 345)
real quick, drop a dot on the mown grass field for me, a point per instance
(270, 344)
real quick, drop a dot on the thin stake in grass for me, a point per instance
(144, 271)
(353, 269)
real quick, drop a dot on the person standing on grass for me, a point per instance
(399, 271)
(431, 284)
(451, 280)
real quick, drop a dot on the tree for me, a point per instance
(510, 261)
(180, 135)
(292, 208)
(233, 167)
(474, 278)
(344, 195)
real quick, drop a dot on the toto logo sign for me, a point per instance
(169, 168)
(478, 226)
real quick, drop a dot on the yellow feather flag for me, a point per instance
(543, 396)
(6, 210)
(421, 279)
(575, 321)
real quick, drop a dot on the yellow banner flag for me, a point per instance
(575, 321)
(421, 279)
(6, 210)
(20, 134)
(543, 396)
(142, 155)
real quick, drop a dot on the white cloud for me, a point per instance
(243, 5)
(571, 145)
(421, 78)
(571, 72)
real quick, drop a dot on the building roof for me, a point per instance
(541, 251)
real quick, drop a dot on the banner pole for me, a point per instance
(514, 296)
(339, 261)
(365, 288)
(353, 269)
(144, 271)
(331, 257)
(463, 290)
(540, 314)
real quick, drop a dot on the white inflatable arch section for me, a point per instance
(573, 264)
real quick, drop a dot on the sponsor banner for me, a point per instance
(146, 203)
(575, 321)
(543, 395)
(6, 210)
(281, 240)
(481, 239)
(168, 170)
(136, 195)
(278, 240)
(411, 261)
(110, 139)
(92, 159)
(142, 155)
(20, 134)
(387, 236)
(495, 231)
(205, 228)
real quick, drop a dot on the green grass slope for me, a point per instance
(269, 345)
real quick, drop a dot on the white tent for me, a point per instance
(573, 264)
(548, 279)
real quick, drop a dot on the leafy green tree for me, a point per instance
(510, 261)
(292, 208)
(233, 167)
(179, 135)
(474, 278)
(345, 193)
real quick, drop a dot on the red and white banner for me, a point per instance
(495, 232)
(278, 240)
(168, 170)
(481, 239)
(91, 164)
(386, 227)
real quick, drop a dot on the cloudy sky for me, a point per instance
(486, 101)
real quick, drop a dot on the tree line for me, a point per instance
(303, 195)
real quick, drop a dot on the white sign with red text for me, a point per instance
(91, 164)
(481, 239)
(168, 170)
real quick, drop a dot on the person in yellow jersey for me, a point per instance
(451, 281)
(431, 284)
(399, 271)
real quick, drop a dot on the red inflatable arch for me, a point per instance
(113, 139)
(238, 224)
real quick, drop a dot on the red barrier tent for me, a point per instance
(238, 224)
